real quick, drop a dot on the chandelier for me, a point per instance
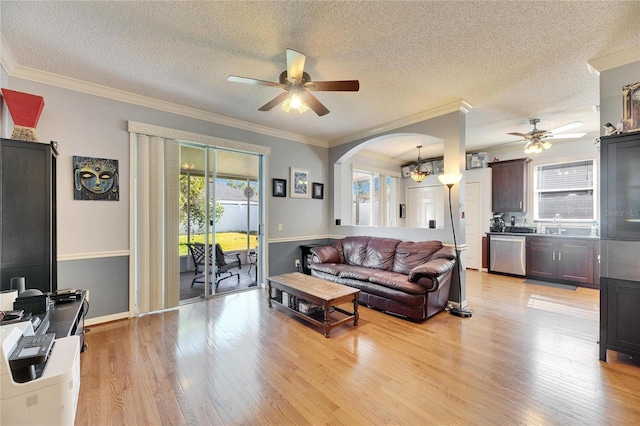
(535, 146)
(418, 175)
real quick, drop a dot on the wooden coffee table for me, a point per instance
(318, 292)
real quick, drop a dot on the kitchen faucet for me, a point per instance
(558, 220)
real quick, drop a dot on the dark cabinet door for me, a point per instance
(619, 301)
(27, 218)
(575, 261)
(620, 183)
(509, 185)
(541, 258)
(561, 259)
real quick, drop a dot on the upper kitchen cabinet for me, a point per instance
(620, 183)
(509, 185)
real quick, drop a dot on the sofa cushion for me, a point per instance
(357, 273)
(355, 249)
(396, 281)
(410, 254)
(380, 253)
(330, 268)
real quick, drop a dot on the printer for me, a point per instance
(49, 398)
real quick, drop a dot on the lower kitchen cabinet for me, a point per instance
(561, 259)
(619, 317)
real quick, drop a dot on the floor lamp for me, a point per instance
(449, 180)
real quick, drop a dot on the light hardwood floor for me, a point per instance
(529, 355)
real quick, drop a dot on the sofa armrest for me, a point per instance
(444, 253)
(325, 254)
(431, 269)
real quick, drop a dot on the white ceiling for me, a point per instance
(510, 60)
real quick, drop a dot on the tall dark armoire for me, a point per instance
(620, 244)
(28, 214)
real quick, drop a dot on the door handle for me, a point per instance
(554, 255)
(520, 204)
(559, 256)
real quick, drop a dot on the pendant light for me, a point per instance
(418, 175)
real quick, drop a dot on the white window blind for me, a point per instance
(566, 189)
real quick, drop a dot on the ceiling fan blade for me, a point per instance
(313, 103)
(274, 102)
(333, 86)
(566, 136)
(522, 135)
(295, 65)
(236, 79)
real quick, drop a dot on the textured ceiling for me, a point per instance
(510, 60)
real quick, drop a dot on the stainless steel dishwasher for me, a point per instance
(507, 254)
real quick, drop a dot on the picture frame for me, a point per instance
(299, 183)
(317, 190)
(279, 187)
(631, 108)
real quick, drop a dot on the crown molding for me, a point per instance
(457, 105)
(615, 60)
(6, 57)
(18, 71)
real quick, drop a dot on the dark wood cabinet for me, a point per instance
(28, 214)
(620, 236)
(620, 183)
(619, 317)
(567, 260)
(509, 185)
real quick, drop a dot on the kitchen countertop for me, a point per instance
(581, 237)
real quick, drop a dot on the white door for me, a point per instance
(472, 225)
(425, 203)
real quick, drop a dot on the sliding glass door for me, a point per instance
(219, 205)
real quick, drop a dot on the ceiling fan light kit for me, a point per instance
(535, 138)
(297, 86)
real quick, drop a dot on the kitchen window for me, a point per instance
(567, 189)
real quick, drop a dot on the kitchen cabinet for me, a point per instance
(561, 259)
(28, 214)
(619, 317)
(620, 236)
(620, 180)
(510, 181)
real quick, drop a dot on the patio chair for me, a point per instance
(224, 267)
(223, 263)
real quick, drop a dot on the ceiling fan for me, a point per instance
(536, 138)
(297, 84)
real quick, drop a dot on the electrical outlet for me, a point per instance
(297, 263)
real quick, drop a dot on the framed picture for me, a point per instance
(95, 179)
(631, 108)
(318, 190)
(279, 187)
(299, 183)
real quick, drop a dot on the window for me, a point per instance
(374, 199)
(566, 189)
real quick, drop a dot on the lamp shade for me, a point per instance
(24, 108)
(450, 178)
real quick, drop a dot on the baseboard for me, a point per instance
(107, 318)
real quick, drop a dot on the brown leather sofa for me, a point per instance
(406, 278)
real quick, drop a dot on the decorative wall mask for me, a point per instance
(95, 179)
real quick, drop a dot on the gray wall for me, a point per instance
(104, 278)
(91, 234)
